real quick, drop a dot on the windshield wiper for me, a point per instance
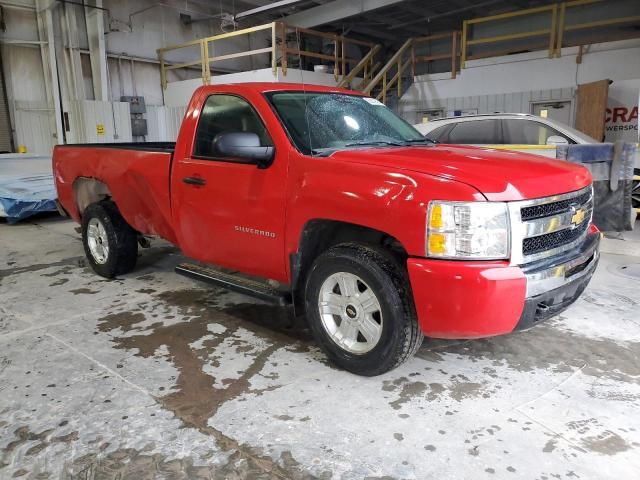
(373, 143)
(323, 152)
(417, 141)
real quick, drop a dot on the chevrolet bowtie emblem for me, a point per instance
(578, 217)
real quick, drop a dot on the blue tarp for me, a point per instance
(24, 195)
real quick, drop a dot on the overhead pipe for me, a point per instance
(86, 5)
(179, 10)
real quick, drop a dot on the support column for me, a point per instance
(97, 50)
(70, 28)
(50, 64)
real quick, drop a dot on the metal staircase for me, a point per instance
(390, 81)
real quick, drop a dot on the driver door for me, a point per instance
(227, 211)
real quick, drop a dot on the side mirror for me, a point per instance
(557, 140)
(244, 146)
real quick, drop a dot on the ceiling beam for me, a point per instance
(429, 18)
(373, 33)
(334, 11)
(389, 21)
(266, 8)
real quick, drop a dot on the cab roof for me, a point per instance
(263, 87)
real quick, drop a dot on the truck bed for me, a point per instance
(144, 146)
(137, 176)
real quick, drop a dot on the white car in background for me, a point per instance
(521, 132)
(508, 131)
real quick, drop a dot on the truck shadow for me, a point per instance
(272, 317)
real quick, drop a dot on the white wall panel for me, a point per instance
(174, 116)
(121, 122)
(163, 123)
(33, 119)
(92, 121)
(33, 130)
(156, 124)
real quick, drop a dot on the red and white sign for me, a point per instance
(621, 120)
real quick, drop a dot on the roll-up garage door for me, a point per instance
(5, 124)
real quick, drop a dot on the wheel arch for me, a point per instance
(319, 234)
(88, 190)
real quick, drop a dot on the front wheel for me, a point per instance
(360, 309)
(110, 244)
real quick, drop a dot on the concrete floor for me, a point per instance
(153, 375)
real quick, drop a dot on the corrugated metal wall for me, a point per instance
(32, 113)
(33, 126)
(92, 121)
(164, 123)
(520, 102)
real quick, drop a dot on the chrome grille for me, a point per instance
(541, 243)
(547, 226)
(548, 209)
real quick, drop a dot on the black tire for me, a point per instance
(381, 272)
(121, 240)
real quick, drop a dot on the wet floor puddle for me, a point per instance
(189, 345)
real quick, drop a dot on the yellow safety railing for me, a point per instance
(563, 26)
(551, 33)
(400, 63)
(279, 50)
(390, 75)
(340, 60)
(520, 147)
(453, 54)
(540, 32)
(365, 68)
(205, 61)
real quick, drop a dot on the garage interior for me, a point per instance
(154, 375)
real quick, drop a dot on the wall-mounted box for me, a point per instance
(138, 127)
(136, 104)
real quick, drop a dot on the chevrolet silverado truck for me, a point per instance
(325, 200)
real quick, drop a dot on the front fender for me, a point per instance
(391, 201)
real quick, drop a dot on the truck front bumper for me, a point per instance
(469, 299)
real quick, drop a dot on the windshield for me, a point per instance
(320, 123)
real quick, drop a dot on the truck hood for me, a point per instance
(498, 174)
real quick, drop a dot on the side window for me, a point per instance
(481, 132)
(226, 113)
(438, 134)
(526, 132)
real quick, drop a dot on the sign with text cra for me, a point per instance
(621, 119)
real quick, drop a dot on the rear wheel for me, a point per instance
(110, 244)
(360, 309)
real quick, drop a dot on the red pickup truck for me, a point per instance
(324, 199)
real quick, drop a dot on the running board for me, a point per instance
(237, 283)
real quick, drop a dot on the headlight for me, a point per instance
(468, 230)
